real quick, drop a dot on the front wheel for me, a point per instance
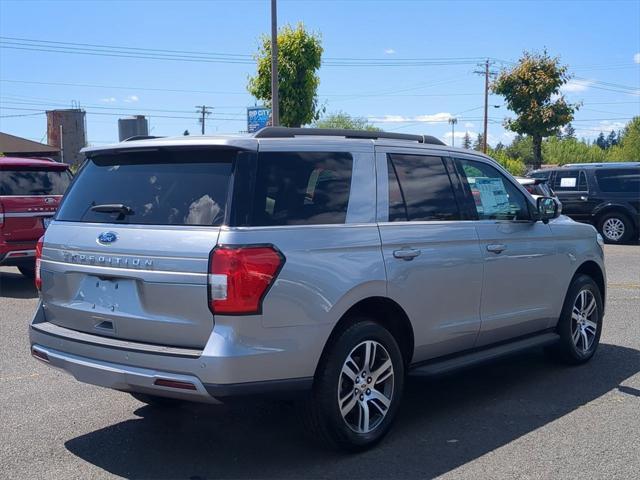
(357, 388)
(580, 323)
(615, 227)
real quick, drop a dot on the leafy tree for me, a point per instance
(499, 147)
(521, 148)
(514, 166)
(628, 147)
(601, 141)
(466, 141)
(299, 57)
(344, 120)
(532, 90)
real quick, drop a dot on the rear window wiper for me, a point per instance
(119, 208)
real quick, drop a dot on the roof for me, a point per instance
(15, 162)
(12, 144)
(601, 165)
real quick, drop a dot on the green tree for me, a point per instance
(532, 91)
(612, 139)
(569, 131)
(514, 166)
(477, 145)
(466, 141)
(344, 120)
(601, 141)
(521, 148)
(299, 58)
(628, 147)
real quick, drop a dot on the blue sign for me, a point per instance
(257, 118)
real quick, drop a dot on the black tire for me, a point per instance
(155, 401)
(322, 410)
(28, 271)
(612, 235)
(567, 350)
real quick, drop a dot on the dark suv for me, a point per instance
(606, 195)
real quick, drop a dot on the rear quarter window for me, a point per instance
(176, 187)
(27, 182)
(301, 188)
(619, 180)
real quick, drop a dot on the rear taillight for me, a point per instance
(239, 278)
(38, 279)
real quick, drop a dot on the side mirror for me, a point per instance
(548, 208)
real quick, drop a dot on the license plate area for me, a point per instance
(108, 294)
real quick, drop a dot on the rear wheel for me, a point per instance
(156, 401)
(28, 271)
(615, 227)
(580, 324)
(358, 388)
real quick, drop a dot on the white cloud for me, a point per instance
(469, 125)
(435, 118)
(574, 86)
(473, 135)
(636, 58)
(131, 99)
(389, 51)
(108, 100)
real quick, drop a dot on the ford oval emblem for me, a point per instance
(107, 237)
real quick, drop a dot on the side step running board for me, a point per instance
(449, 364)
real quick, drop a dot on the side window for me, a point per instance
(619, 180)
(301, 188)
(494, 196)
(419, 189)
(570, 181)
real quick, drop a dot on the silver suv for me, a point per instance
(327, 262)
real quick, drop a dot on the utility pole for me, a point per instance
(204, 111)
(453, 122)
(486, 74)
(275, 100)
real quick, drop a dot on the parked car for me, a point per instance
(324, 262)
(30, 191)
(607, 195)
(537, 187)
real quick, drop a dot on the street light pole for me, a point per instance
(275, 101)
(453, 122)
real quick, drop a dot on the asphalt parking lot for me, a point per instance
(525, 417)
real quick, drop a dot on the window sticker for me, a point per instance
(568, 182)
(493, 195)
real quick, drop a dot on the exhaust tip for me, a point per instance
(39, 355)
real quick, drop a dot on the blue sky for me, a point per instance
(599, 40)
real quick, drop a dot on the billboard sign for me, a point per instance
(257, 118)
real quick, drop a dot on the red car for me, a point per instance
(30, 192)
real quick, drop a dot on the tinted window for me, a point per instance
(541, 189)
(570, 180)
(619, 180)
(160, 188)
(494, 196)
(419, 189)
(34, 182)
(302, 188)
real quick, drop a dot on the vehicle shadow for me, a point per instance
(15, 285)
(443, 424)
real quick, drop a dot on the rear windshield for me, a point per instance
(178, 187)
(619, 180)
(34, 182)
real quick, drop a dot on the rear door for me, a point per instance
(519, 293)
(29, 198)
(127, 255)
(572, 188)
(434, 266)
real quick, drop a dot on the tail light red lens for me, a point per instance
(38, 279)
(239, 278)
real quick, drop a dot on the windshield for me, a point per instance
(179, 187)
(34, 182)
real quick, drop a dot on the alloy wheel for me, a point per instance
(584, 320)
(613, 229)
(366, 386)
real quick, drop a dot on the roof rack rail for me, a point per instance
(140, 137)
(286, 132)
(602, 164)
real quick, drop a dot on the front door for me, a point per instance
(431, 254)
(519, 255)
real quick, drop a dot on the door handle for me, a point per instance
(583, 198)
(496, 248)
(406, 253)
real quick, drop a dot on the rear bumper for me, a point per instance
(224, 369)
(16, 254)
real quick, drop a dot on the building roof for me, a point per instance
(10, 144)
